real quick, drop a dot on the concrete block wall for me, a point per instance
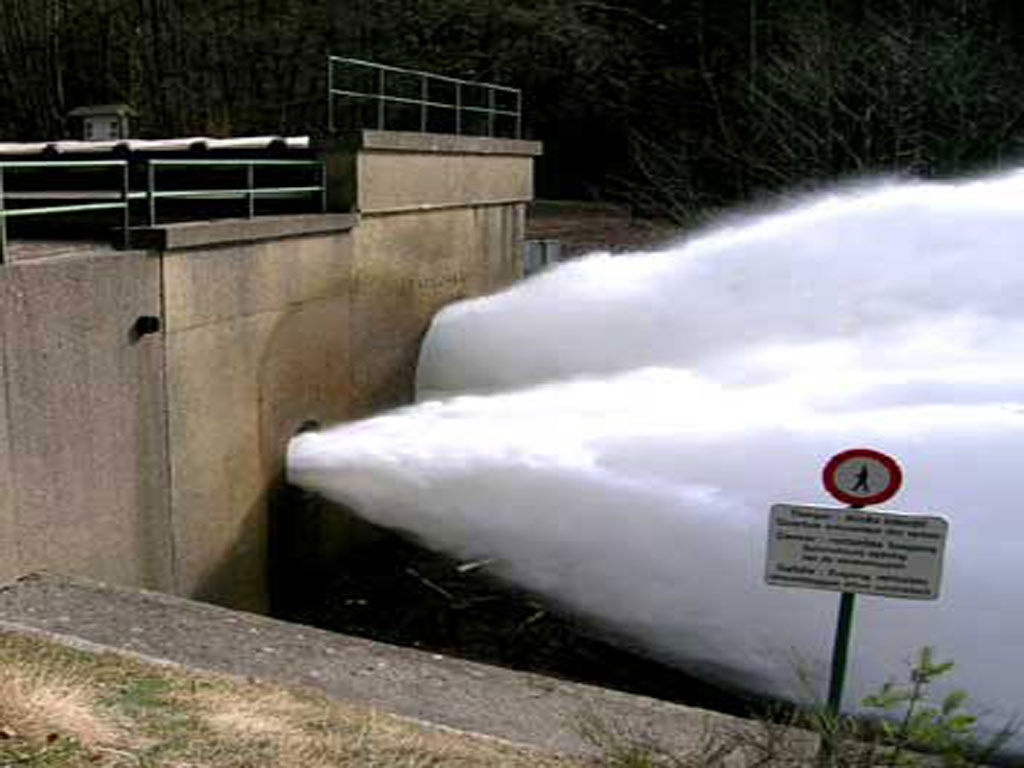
(152, 461)
(83, 464)
(256, 342)
(441, 219)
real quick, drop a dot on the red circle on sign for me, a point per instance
(830, 476)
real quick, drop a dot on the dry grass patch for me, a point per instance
(38, 702)
(49, 713)
(300, 727)
(65, 707)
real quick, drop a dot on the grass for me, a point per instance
(770, 742)
(65, 707)
(914, 730)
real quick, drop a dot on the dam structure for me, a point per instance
(149, 387)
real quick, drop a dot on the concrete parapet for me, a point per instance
(384, 171)
(404, 141)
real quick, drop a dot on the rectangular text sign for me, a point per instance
(853, 550)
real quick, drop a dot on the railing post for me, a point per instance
(250, 179)
(458, 109)
(323, 186)
(126, 220)
(330, 96)
(151, 193)
(3, 220)
(424, 91)
(519, 115)
(491, 107)
(381, 88)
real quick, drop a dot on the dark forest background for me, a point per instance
(676, 106)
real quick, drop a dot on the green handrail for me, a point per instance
(382, 96)
(37, 165)
(249, 192)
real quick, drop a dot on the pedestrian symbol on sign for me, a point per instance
(862, 477)
(862, 480)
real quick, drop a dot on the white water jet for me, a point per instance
(614, 432)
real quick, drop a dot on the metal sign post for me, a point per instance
(859, 477)
(840, 651)
(853, 550)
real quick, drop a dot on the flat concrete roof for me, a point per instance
(407, 141)
(185, 144)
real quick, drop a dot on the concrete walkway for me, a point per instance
(517, 706)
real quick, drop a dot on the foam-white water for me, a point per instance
(634, 417)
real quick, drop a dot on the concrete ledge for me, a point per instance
(467, 696)
(197, 234)
(440, 143)
(431, 207)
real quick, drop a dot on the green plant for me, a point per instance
(941, 728)
(912, 730)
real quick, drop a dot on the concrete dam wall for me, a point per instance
(147, 396)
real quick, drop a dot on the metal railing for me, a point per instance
(123, 196)
(249, 192)
(459, 104)
(122, 203)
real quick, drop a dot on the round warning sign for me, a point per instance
(861, 477)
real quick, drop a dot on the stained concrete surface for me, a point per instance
(392, 181)
(407, 267)
(389, 171)
(521, 707)
(257, 342)
(8, 525)
(128, 454)
(85, 444)
(211, 285)
(264, 335)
